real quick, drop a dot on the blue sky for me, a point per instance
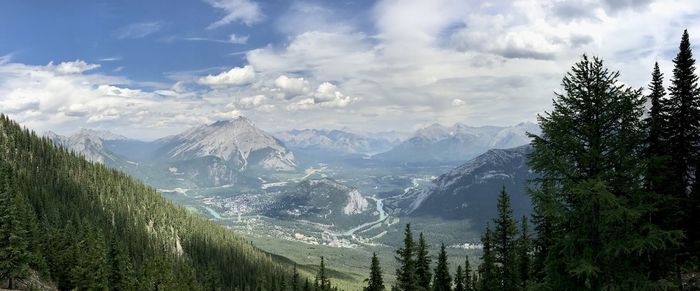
(152, 68)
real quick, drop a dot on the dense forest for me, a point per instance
(84, 226)
(616, 204)
(616, 207)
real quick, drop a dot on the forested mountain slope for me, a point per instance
(82, 225)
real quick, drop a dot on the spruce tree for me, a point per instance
(504, 242)
(423, 263)
(459, 279)
(406, 279)
(523, 254)
(14, 254)
(467, 275)
(684, 136)
(322, 281)
(375, 282)
(295, 279)
(442, 281)
(587, 158)
(489, 278)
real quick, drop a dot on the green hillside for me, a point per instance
(82, 225)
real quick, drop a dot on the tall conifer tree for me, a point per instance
(442, 281)
(375, 282)
(406, 279)
(684, 136)
(505, 243)
(423, 263)
(587, 158)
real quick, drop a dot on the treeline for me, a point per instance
(506, 263)
(83, 226)
(616, 204)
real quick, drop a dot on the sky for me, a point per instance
(147, 69)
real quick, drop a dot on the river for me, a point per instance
(382, 217)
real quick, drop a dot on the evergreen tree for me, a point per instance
(489, 278)
(423, 264)
(684, 137)
(323, 283)
(14, 253)
(307, 285)
(523, 254)
(504, 242)
(468, 275)
(295, 279)
(442, 281)
(375, 282)
(122, 275)
(406, 279)
(544, 235)
(459, 279)
(590, 187)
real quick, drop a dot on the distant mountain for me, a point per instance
(437, 143)
(237, 142)
(89, 143)
(209, 155)
(335, 141)
(470, 190)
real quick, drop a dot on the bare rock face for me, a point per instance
(356, 203)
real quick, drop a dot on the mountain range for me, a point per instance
(457, 143)
(209, 155)
(470, 190)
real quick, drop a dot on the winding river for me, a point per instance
(382, 217)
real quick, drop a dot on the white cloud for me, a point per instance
(458, 102)
(234, 39)
(245, 11)
(139, 30)
(252, 101)
(74, 67)
(292, 86)
(235, 77)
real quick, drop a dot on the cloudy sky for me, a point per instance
(147, 69)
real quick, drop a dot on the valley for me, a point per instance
(331, 193)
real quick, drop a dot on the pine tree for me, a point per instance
(307, 285)
(684, 137)
(406, 279)
(295, 279)
(423, 263)
(375, 282)
(489, 278)
(14, 254)
(442, 281)
(504, 242)
(468, 275)
(322, 281)
(544, 235)
(523, 254)
(459, 279)
(587, 158)
(122, 275)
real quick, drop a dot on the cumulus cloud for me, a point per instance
(245, 11)
(234, 77)
(252, 101)
(139, 30)
(292, 87)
